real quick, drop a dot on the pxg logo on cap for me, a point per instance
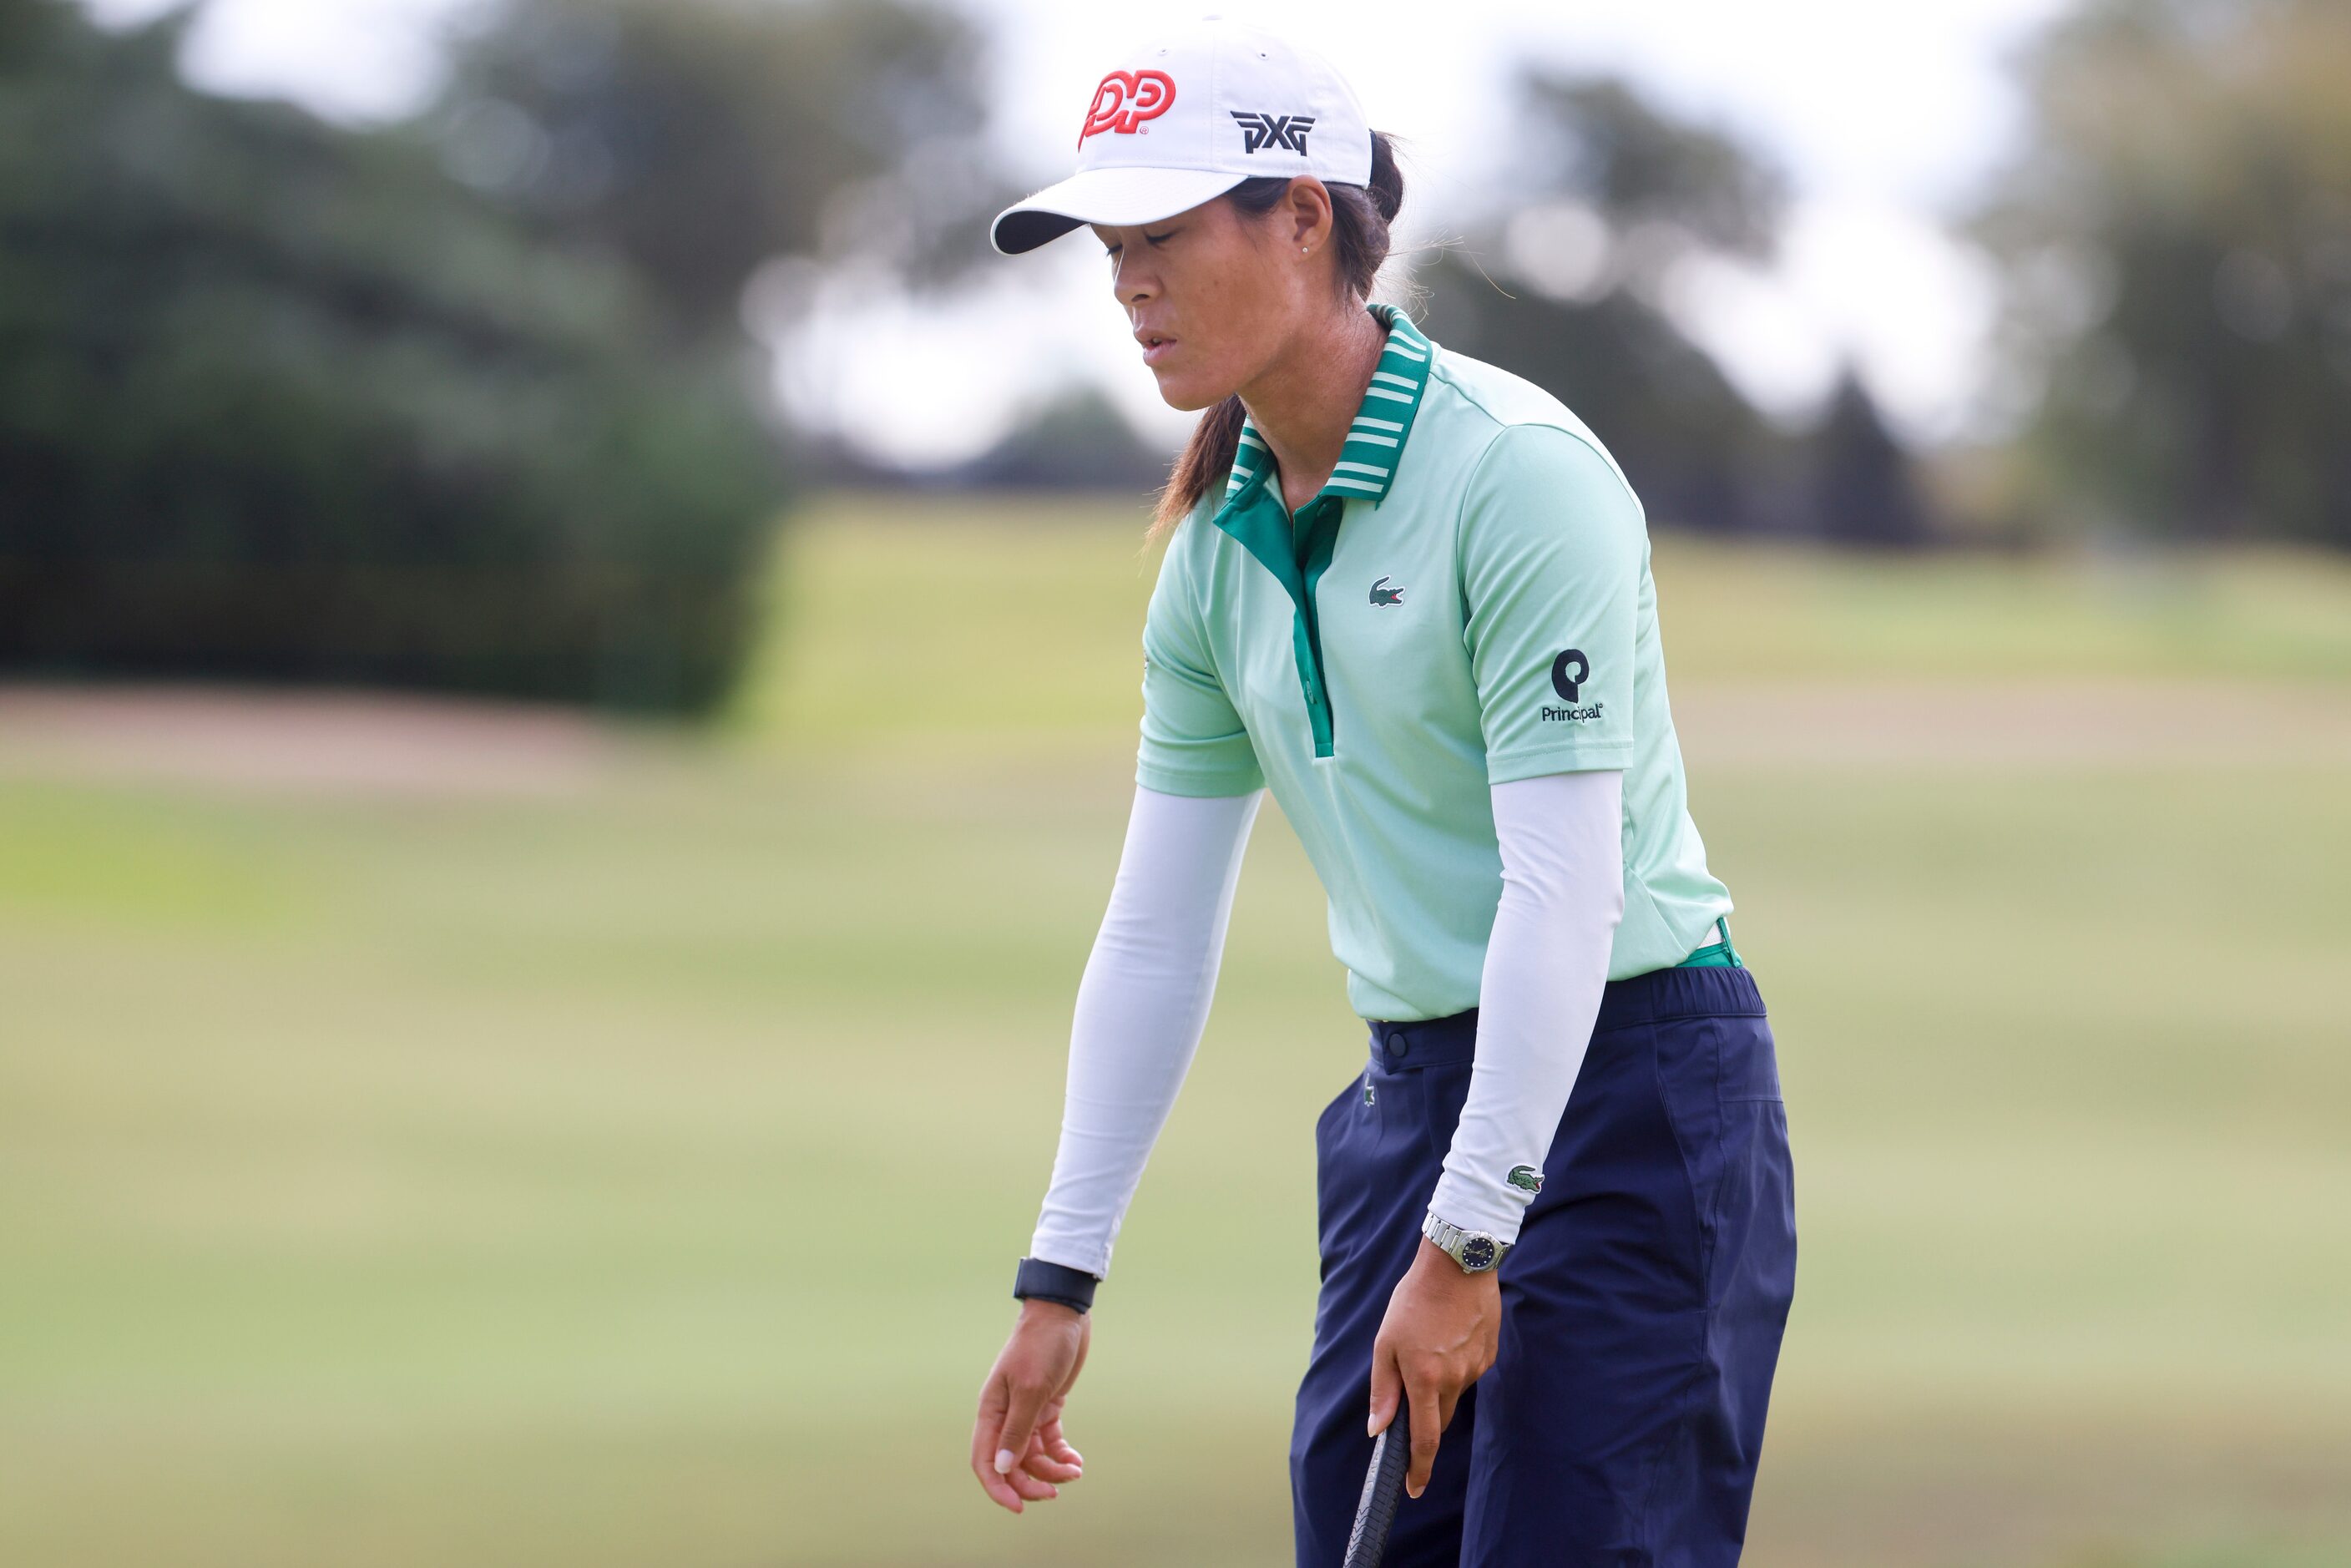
(1280, 130)
(1187, 114)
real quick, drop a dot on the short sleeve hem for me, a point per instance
(1509, 767)
(1196, 781)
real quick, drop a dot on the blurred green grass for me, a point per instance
(631, 1174)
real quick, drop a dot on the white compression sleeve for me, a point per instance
(1141, 1006)
(1539, 993)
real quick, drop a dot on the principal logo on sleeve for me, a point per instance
(1568, 673)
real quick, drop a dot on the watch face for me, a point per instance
(1478, 1253)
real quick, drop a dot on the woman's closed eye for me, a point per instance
(1154, 240)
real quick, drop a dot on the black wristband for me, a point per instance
(1054, 1283)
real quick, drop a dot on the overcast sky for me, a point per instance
(1885, 115)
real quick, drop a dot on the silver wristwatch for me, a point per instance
(1474, 1251)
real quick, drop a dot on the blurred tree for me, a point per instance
(1610, 195)
(1075, 441)
(282, 400)
(2176, 239)
(700, 138)
(1864, 491)
(27, 25)
(1597, 140)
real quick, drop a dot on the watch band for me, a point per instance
(1469, 1249)
(1055, 1282)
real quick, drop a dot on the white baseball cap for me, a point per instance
(1189, 114)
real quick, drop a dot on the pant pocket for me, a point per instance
(1328, 1124)
(1748, 1065)
(1732, 1124)
(1444, 1090)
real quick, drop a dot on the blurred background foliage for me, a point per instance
(699, 139)
(2176, 239)
(461, 404)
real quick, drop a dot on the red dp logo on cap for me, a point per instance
(1126, 100)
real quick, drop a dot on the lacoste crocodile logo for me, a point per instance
(1525, 1177)
(1383, 594)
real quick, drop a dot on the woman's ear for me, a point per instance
(1309, 209)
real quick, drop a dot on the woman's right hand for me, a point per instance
(1017, 1448)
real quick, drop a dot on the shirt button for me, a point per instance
(1397, 1046)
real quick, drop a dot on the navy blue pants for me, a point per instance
(1642, 1307)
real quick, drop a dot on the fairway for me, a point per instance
(611, 1148)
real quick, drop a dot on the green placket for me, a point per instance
(1316, 530)
(1297, 549)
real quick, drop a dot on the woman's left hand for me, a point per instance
(1442, 1331)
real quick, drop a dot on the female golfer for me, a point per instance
(1409, 592)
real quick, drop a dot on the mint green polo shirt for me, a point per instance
(1465, 602)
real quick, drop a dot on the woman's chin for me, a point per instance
(1184, 393)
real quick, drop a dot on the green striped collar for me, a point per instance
(1367, 463)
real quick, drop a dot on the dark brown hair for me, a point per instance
(1360, 216)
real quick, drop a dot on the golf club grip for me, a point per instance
(1382, 1489)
